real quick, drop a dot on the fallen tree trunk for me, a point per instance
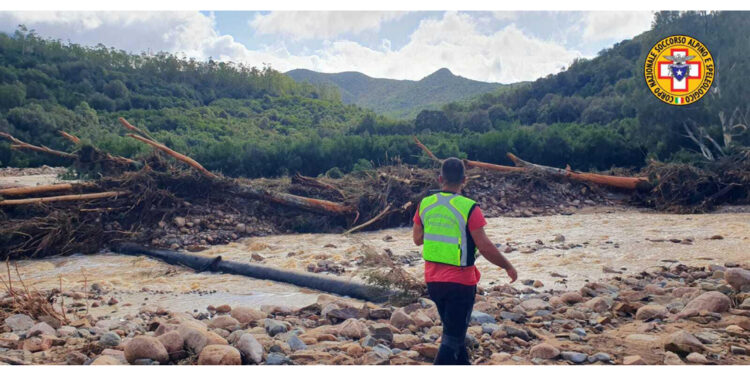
(310, 204)
(216, 264)
(63, 198)
(35, 189)
(17, 144)
(309, 181)
(630, 183)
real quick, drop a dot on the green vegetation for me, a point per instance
(597, 114)
(400, 99)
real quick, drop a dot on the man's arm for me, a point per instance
(417, 234)
(490, 251)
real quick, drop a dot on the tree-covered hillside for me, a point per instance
(401, 99)
(597, 114)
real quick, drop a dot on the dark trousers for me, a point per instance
(454, 304)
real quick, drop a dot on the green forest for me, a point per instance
(244, 121)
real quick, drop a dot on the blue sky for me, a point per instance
(489, 46)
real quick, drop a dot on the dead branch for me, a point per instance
(425, 149)
(18, 144)
(63, 198)
(314, 182)
(70, 137)
(309, 204)
(132, 128)
(492, 167)
(183, 158)
(371, 221)
(35, 189)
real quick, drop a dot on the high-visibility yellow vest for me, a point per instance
(446, 236)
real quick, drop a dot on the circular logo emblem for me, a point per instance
(679, 70)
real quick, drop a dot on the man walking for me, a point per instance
(451, 228)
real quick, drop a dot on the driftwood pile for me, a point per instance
(136, 200)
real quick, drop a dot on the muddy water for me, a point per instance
(625, 240)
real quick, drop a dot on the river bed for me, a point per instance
(620, 240)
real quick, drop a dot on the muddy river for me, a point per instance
(616, 241)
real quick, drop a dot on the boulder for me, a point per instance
(173, 342)
(295, 343)
(274, 327)
(421, 319)
(400, 319)
(598, 304)
(672, 359)
(105, 360)
(544, 351)
(246, 315)
(478, 317)
(381, 331)
(250, 348)
(649, 312)
(352, 328)
(738, 278)
(19, 322)
(574, 357)
(405, 342)
(715, 302)
(571, 298)
(683, 343)
(224, 322)
(535, 304)
(213, 355)
(426, 350)
(634, 360)
(41, 329)
(195, 338)
(145, 347)
(109, 339)
(75, 358)
(697, 358)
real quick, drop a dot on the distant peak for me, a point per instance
(442, 72)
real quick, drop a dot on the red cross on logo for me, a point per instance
(694, 71)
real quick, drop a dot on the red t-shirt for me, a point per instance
(438, 272)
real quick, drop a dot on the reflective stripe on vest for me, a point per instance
(459, 240)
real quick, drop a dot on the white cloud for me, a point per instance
(505, 15)
(454, 41)
(606, 25)
(320, 24)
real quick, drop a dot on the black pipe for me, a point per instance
(216, 264)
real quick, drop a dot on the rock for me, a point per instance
(544, 351)
(497, 358)
(400, 319)
(710, 301)
(382, 351)
(341, 313)
(213, 355)
(41, 329)
(67, 331)
(179, 221)
(105, 360)
(571, 298)
(737, 278)
(250, 348)
(19, 322)
(515, 332)
(354, 350)
(574, 357)
(37, 344)
(635, 360)
(405, 341)
(538, 284)
(380, 313)
(745, 304)
(738, 350)
(535, 304)
(145, 362)
(296, 344)
(76, 358)
(600, 357)
(110, 339)
(145, 347)
(427, 350)
(369, 341)
(490, 328)
(422, 320)
(683, 343)
(696, 358)
(598, 304)
(195, 338)
(276, 359)
(119, 354)
(672, 359)
(352, 328)
(381, 331)
(579, 331)
(224, 322)
(514, 317)
(481, 318)
(650, 312)
(174, 343)
(274, 327)
(246, 315)
(223, 309)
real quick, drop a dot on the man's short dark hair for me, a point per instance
(452, 171)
